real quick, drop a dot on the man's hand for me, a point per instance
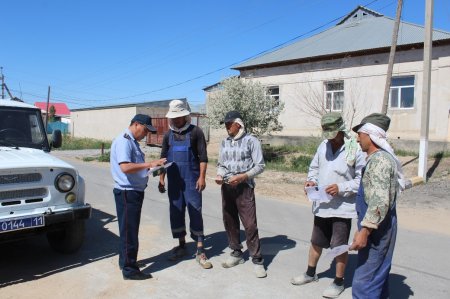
(237, 179)
(360, 239)
(161, 187)
(201, 184)
(158, 162)
(309, 184)
(219, 180)
(333, 189)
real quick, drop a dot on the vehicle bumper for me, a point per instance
(53, 221)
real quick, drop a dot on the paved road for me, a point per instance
(30, 269)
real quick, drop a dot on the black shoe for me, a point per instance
(138, 276)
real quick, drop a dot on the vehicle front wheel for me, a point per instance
(69, 239)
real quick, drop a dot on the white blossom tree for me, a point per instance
(259, 110)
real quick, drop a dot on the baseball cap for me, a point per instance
(230, 116)
(378, 119)
(331, 124)
(144, 120)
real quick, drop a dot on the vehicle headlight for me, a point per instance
(64, 182)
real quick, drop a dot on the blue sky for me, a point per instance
(107, 52)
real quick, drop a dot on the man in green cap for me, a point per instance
(381, 182)
(336, 167)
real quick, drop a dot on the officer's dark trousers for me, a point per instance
(240, 203)
(128, 207)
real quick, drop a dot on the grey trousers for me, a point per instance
(239, 202)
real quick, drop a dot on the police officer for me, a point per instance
(185, 145)
(129, 171)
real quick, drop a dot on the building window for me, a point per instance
(334, 95)
(274, 92)
(402, 92)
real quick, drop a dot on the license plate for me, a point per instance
(21, 223)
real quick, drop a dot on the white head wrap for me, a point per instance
(379, 137)
(241, 130)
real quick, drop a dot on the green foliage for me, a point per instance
(259, 110)
(288, 157)
(72, 143)
(105, 157)
(405, 153)
(51, 113)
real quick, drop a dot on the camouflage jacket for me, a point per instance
(380, 187)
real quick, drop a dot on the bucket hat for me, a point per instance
(178, 108)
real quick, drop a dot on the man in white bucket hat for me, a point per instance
(185, 145)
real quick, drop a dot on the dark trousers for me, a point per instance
(239, 202)
(128, 207)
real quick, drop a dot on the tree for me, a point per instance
(258, 108)
(312, 101)
(51, 113)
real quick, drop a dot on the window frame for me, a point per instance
(332, 107)
(399, 93)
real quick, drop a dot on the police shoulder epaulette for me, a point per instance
(126, 136)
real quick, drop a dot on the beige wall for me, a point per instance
(103, 124)
(364, 81)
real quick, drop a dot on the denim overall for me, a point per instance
(182, 178)
(371, 278)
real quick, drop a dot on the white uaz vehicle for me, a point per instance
(39, 193)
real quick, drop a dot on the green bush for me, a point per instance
(301, 163)
(73, 143)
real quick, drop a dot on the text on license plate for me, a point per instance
(21, 223)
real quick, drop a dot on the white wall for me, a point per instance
(102, 124)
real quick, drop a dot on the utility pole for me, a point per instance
(387, 86)
(3, 82)
(46, 113)
(425, 116)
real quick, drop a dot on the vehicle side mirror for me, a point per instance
(56, 139)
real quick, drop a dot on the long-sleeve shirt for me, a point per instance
(329, 168)
(241, 156)
(380, 187)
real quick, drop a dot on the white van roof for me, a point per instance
(13, 103)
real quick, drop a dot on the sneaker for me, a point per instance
(303, 279)
(137, 276)
(203, 261)
(260, 272)
(333, 291)
(177, 253)
(232, 261)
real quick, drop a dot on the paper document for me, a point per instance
(331, 254)
(213, 178)
(153, 169)
(316, 193)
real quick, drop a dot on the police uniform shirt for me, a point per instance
(126, 149)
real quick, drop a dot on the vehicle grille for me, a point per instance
(27, 193)
(20, 178)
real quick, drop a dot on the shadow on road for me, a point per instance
(397, 286)
(215, 245)
(32, 259)
(271, 246)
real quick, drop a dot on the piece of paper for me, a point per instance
(213, 178)
(153, 169)
(317, 193)
(336, 251)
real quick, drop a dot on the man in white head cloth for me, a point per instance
(381, 183)
(185, 145)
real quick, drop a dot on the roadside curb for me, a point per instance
(414, 181)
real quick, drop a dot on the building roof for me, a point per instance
(153, 104)
(61, 108)
(362, 29)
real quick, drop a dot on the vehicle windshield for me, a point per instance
(22, 128)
